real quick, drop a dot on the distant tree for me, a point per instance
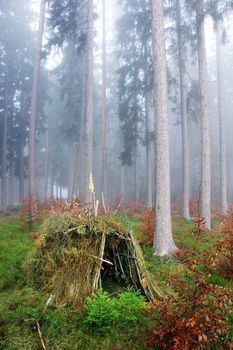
(104, 106)
(89, 102)
(217, 10)
(135, 84)
(163, 240)
(15, 89)
(34, 102)
(183, 108)
(205, 198)
(222, 131)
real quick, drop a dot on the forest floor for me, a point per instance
(22, 306)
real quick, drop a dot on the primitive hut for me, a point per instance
(76, 253)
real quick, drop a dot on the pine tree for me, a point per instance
(163, 241)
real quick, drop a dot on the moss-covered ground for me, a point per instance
(22, 308)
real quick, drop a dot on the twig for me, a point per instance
(103, 260)
(40, 336)
(119, 205)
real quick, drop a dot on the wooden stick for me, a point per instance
(103, 202)
(119, 205)
(96, 208)
(40, 336)
(103, 260)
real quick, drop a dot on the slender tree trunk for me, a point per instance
(21, 166)
(184, 119)
(222, 136)
(148, 151)
(122, 182)
(11, 185)
(4, 150)
(104, 109)
(46, 164)
(32, 125)
(72, 171)
(21, 146)
(163, 240)
(205, 127)
(57, 190)
(51, 183)
(81, 166)
(136, 184)
(89, 103)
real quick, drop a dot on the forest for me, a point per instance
(116, 168)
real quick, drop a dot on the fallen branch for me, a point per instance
(40, 336)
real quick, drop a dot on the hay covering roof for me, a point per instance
(75, 253)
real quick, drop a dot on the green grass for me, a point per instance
(21, 306)
(14, 246)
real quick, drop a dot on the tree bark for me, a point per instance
(32, 125)
(135, 170)
(205, 195)
(163, 240)
(148, 151)
(4, 148)
(21, 166)
(184, 120)
(11, 185)
(122, 180)
(222, 136)
(89, 103)
(46, 164)
(81, 167)
(104, 109)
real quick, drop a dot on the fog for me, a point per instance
(61, 152)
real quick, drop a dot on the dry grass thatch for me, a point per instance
(75, 253)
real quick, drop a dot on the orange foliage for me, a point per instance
(44, 209)
(196, 320)
(176, 207)
(199, 227)
(147, 218)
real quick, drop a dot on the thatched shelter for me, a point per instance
(76, 253)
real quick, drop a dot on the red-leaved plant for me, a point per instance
(147, 218)
(196, 319)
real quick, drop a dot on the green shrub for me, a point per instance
(130, 305)
(100, 312)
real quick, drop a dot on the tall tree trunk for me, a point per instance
(81, 165)
(104, 108)
(205, 127)
(46, 163)
(72, 171)
(148, 151)
(21, 166)
(4, 149)
(51, 182)
(11, 185)
(184, 120)
(89, 103)
(163, 240)
(32, 124)
(122, 180)
(135, 169)
(222, 136)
